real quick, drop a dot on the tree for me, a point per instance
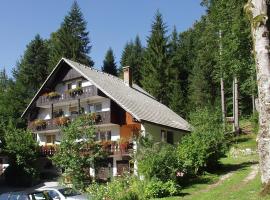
(162, 166)
(4, 80)
(178, 80)
(30, 72)
(21, 147)
(127, 58)
(33, 68)
(71, 40)
(78, 150)
(205, 145)
(132, 56)
(155, 69)
(257, 11)
(109, 65)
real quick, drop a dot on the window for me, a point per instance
(79, 84)
(69, 86)
(166, 136)
(94, 108)
(50, 139)
(53, 194)
(163, 136)
(103, 136)
(98, 107)
(170, 137)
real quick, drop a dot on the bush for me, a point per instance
(158, 189)
(162, 166)
(205, 145)
(131, 188)
(20, 146)
(18, 176)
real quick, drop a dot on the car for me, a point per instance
(61, 193)
(25, 196)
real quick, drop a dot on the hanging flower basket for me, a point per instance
(76, 91)
(61, 121)
(53, 95)
(40, 124)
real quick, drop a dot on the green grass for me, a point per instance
(232, 188)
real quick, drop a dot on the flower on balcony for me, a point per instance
(53, 95)
(123, 144)
(61, 121)
(75, 91)
(40, 123)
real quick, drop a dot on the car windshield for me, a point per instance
(4, 196)
(68, 192)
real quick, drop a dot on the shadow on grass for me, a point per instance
(241, 139)
(227, 168)
(213, 175)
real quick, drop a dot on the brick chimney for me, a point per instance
(127, 75)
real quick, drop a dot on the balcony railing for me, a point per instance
(56, 123)
(114, 148)
(85, 92)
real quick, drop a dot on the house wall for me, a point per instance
(155, 131)
(41, 137)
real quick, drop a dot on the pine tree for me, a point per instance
(155, 70)
(71, 40)
(176, 98)
(132, 56)
(138, 57)
(33, 68)
(109, 65)
(4, 80)
(127, 58)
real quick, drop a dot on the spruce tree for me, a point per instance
(127, 58)
(109, 65)
(33, 68)
(132, 56)
(71, 40)
(155, 69)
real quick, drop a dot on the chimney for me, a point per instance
(127, 75)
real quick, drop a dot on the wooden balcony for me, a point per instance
(114, 148)
(56, 123)
(85, 92)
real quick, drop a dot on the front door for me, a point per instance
(122, 166)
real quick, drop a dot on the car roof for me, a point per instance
(53, 188)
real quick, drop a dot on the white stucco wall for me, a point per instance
(41, 137)
(155, 131)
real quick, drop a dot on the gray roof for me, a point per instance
(133, 99)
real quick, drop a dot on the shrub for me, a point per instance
(132, 188)
(23, 177)
(162, 166)
(21, 147)
(205, 145)
(158, 189)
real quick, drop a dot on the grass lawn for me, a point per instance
(235, 167)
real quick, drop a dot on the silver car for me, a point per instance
(63, 193)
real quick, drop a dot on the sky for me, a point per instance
(111, 23)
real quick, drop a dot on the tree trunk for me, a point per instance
(258, 11)
(236, 106)
(233, 90)
(253, 104)
(223, 102)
